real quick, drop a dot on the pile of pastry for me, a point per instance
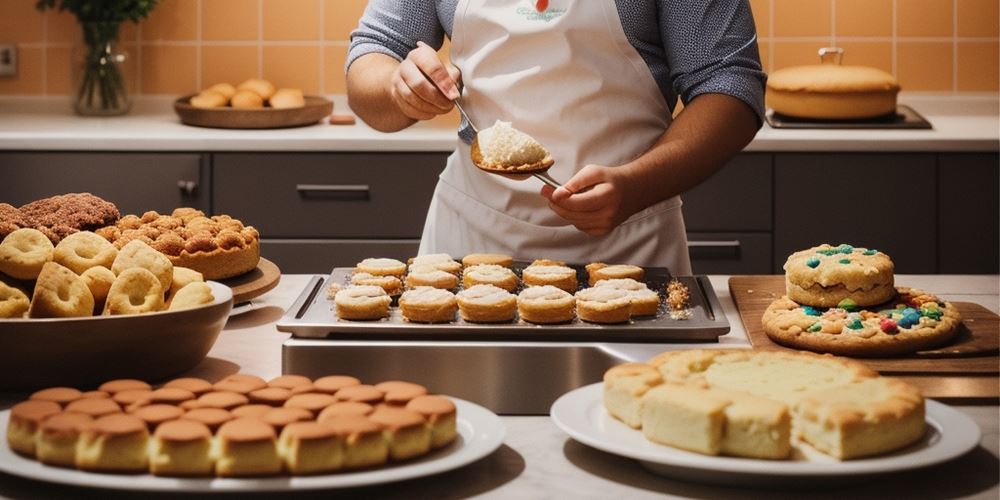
(842, 300)
(253, 93)
(752, 403)
(240, 426)
(548, 291)
(85, 275)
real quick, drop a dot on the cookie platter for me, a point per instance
(312, 316)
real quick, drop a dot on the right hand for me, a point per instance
(423, 86)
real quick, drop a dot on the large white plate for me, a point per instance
(480, 432)
(581, 414)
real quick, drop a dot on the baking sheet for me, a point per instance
(905, 117)
(313, 316)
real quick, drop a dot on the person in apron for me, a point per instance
(567, 73)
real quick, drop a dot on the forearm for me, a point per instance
(369, 94)
(710, 130)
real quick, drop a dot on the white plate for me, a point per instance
(480, 432)
(581, 414)
(242, 307)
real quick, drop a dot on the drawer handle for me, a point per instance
(187, 187)
(346, 191)
(714, 244)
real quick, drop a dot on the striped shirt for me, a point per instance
(691, 47)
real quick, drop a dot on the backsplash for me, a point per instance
(185, 45)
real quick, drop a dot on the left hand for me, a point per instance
(595, 200)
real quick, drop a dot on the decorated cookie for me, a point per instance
(825, 275)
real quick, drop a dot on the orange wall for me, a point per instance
(930, 45)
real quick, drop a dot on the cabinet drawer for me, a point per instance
(341, 195)
(736, 198)
(135, 182)
(968, 218)
(321, 256)
(730, 253)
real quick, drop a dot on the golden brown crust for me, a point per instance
(529, 168)
(545, 305)
(559, 276)
(829, 91)
(603, 305)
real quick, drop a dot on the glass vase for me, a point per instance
(99, 72)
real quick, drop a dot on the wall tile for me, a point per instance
(795, 54)
(333, 65)
(30, 74)
(977, 67)
(761, 16)
(802, 17)
(21, 22)
(57, 71)
(924, 65)
(978, 18)
(172, 20)
(230, 19)
(169, 70)
(924, 18)
(875, 54)
(228, 64)
(291, 19)
(864, 17)
(293, 66)
(341, 17)
(62, 27)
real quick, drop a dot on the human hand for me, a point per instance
(595, 200)
(423, 86)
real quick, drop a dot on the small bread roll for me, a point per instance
(182, 277)
(247, 99)
(209, 99)
(287, 98)
(193, 295)
(225, 89)
(263, 88)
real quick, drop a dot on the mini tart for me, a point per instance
(95, 407)
(474, 259)
(914, 321)
(25, 419)
(311, 448)
(486, 304)
(313, 402)
(280, 417)
(247, 447)
(195, 385)
(364, 442)
(645, 302)
(170, 395)
(441, 261)
(330, 384)
(123, 384)
(362, 303)
(545, 305)
(154, 415)
(251, 410)
(382, 267)
(361, 393)
(181, 448)
(489, 274)
(225, 400)
(342, 408)
(400, 392)
(558, 276)
(598, 271)
(61, 395)
(441, 416)
(271, 396)
(407, 431)
(427, 275)
(603, 305)
(211, 417)
(240, 383)
(391, 284)
(825, 275)
(289, 381)
(114, 443)
(425, 304)
(58, 437)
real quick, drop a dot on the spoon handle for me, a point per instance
(546, 178)
(465, 115)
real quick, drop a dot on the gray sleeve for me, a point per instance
(711, 47)
(393, 27)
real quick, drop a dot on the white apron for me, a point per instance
(568, 77)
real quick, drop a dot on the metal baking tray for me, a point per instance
(905, 117)
(313, 316)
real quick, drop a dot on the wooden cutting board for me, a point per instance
(968, 368)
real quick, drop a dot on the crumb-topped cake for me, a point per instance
(218, 247)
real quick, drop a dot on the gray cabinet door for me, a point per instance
(737, 198)
(321, 256)
(883, 201)
(328, 195)
(730, 253)
(135, 182)
(969, 213)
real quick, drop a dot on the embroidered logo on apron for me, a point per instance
(538, 10)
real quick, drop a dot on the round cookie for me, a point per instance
(562, 277)
(193, 295)
(915, 321)
(603, 305)
(489, 274)
(598, 271)
(425, 304)
(428, 275)
(60, 293)
(13, 302)
(545, 304)
(474, 259)
(99, 280)
(645, 302)
(486, 304)
(382, 267)
(84, 250)
(135, 291)
(362, 303)
(182, 277)
(825, 275)
(138, 254)
(440, 261)
(24, 252)
(391, 284)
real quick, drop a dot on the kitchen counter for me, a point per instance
(961, 123)
(537, 460)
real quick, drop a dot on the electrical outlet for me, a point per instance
(8, 59)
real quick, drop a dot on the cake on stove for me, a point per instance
(750, 403)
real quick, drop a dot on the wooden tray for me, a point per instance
(968, 368)
(316, 109)
(255, 283)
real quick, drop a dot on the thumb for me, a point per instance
(584, 179)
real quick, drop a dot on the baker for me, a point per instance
(595, 82)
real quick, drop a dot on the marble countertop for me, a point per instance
(969, 122)
(537, 460)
